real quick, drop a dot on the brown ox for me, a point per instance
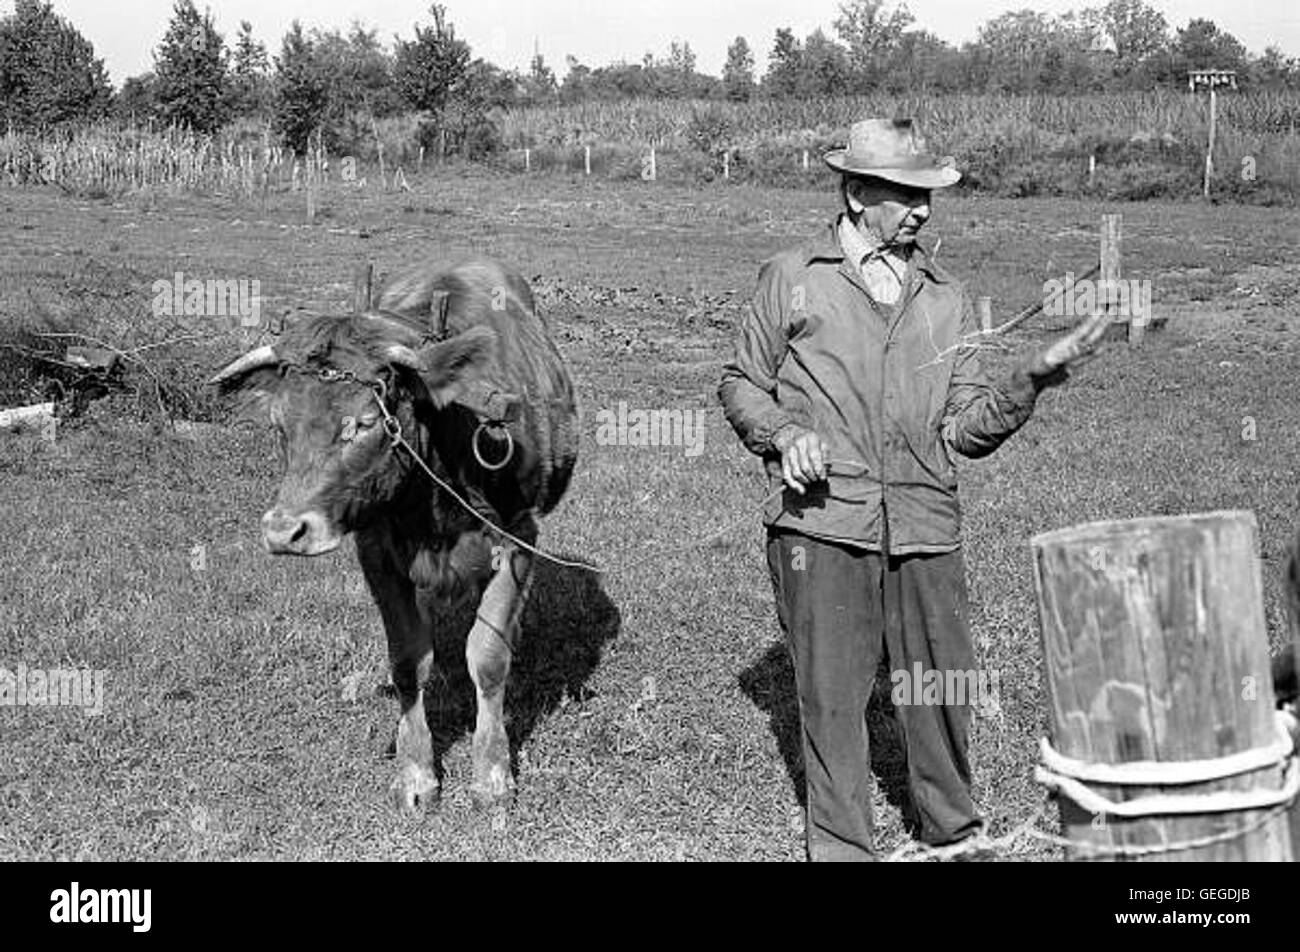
(438, 347)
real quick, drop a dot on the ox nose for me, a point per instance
(305, 534)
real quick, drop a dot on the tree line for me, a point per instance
(322, 81)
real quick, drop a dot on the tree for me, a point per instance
(826, 70)
(428, 68)
(190, 66)
(1015, 47)
(1202, 45)
(48, 71)
(138, 99)
(301, 97)
(872, 30)
(540, 85)
(785, 65)
(923, 62)
(1137, 31)
(738, 72)
(1275, 70)
(359, 73)
(577, 80)
(678, 77)
(249, 68)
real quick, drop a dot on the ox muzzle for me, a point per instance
(308, 533)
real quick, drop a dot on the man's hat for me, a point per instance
(892, 149)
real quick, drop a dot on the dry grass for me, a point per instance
(653, 709)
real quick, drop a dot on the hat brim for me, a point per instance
(924, 176)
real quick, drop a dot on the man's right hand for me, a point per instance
(805, 457)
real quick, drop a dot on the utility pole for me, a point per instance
(1211, 79)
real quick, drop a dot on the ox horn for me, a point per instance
(264, 356)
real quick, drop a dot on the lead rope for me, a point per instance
(393, 427)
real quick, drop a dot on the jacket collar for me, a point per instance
(825, 246)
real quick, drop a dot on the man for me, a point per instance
(856, 378)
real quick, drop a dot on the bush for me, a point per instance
(710, 129)
(1140, 181)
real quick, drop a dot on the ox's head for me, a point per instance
(320, 386)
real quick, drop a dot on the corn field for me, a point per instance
(668, 124)
(1120, 146)
(111, 159)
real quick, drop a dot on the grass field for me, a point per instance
(652, 706)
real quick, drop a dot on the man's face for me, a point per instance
(886, 211)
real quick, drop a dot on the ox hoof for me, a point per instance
(495, 787)
(415, 790)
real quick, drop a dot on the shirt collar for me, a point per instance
(826, 247)
(856, 246)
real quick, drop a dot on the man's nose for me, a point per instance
(921, 214)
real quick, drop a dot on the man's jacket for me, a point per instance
(887, 387)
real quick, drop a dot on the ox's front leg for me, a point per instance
(487, 654)
(410, 658)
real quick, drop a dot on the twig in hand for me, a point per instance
(975, 340)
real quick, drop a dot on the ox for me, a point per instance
(459, 364)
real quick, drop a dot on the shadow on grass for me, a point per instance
(565, 626)
(769, 683)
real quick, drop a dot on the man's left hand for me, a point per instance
(1075, 347)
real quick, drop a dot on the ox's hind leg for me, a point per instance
(410, 659)
(487, 653)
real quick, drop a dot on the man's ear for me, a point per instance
(449, 366)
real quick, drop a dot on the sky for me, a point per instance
(125, 32)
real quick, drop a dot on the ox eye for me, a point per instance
(351, 426)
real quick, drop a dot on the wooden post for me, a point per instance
(363, 284)
(1092, 168)
(1108, 279)
(726, 165)
(805, 160)
(421, 165)
(1209, 152)
(586, 159)
(654, 167)
(311, 190)
(1156, 649)
(528, 160)
(985, 308)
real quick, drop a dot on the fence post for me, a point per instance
(1108, 278)
(985, 308)
(586, 159)
(1155, 647)
(726, 165)
(805, 160)
(363, 283)
(528, 160)
(1092, 168)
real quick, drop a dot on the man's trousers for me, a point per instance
(841, 609)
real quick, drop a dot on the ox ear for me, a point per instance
(449, 366)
